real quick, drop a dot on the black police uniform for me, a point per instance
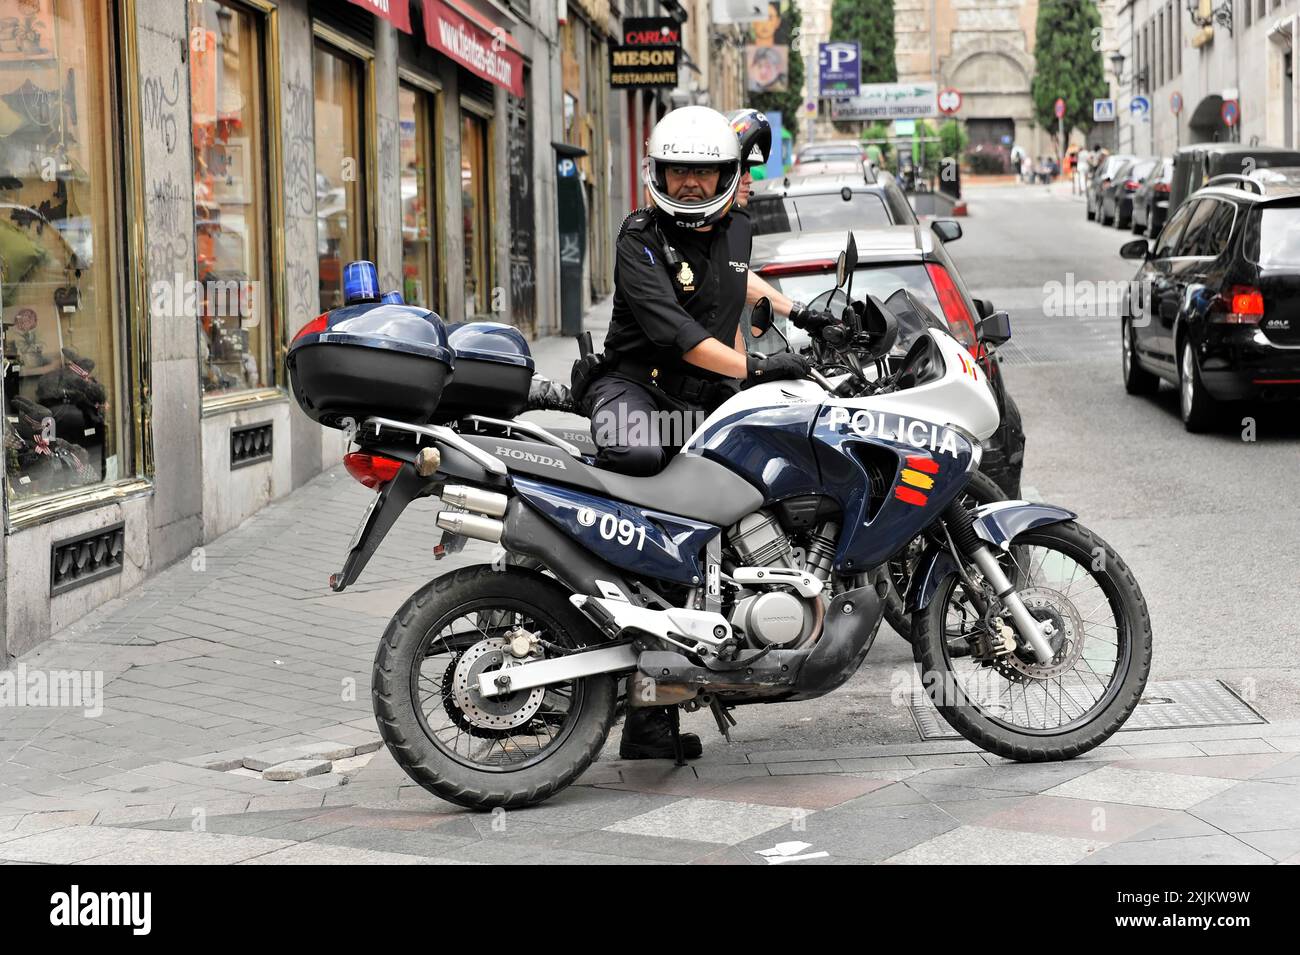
(673, 289)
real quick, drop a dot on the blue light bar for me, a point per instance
(360, 282)
(393, 298)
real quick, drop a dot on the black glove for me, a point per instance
(811, 322)
(547, 395)
(585, 370)
(779, 367)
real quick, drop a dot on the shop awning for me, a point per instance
(396, 12)
(475, 42)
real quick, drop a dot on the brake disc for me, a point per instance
(1043, 603)
(498, 712)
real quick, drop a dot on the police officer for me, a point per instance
(674, 350)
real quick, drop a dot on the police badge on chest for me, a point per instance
(686, 277)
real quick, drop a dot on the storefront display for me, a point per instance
(342, 231)
(475, 207)
(58, 254)
(419, 240)
(230, 194)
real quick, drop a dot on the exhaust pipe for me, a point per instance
(471, 525)
(475, 499)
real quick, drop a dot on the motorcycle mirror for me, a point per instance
(760, 319)
(878, 324)
(850, 265)
(995, 329)
(841, 270)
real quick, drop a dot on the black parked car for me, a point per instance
(1196, 165)
(1218, 298)
(1117, 195)
(1151, 201)
(1101, 178)
(911, 257)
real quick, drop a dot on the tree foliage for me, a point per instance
(1068, 63)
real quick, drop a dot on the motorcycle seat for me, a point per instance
(690, 486)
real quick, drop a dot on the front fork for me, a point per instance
(1034, 632)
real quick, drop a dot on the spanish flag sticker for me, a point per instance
(917, 477)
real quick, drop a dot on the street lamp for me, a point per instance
(1140, 78)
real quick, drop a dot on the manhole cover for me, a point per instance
(1172, 704)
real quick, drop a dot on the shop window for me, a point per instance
(342, 230)
(227, 70)
(419, 238)
(66, 409)
(475, 200)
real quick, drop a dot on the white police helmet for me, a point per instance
(693, 136)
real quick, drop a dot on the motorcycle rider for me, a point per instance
(674, 350)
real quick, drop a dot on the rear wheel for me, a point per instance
(1195, 405)
(485, 752)
(1137, 380)
(1009, 703)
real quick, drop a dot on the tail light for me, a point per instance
(1131, 185)
(317, 324)
(370, 469)
(778, 269)
(1161, 187)
(960, 321)
(1241, 305)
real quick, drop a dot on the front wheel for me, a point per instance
(485, 752)
(1006, 701)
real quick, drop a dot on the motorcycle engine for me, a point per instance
(774, 616)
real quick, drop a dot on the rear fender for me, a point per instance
(1000, 524)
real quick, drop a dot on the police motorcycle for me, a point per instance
(496, 685)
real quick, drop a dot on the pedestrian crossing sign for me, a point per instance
(1103, 110)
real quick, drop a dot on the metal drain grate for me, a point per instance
(1172, 704)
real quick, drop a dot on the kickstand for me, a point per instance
(675, 724)
(724, 718)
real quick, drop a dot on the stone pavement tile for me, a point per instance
(868, 835)
(972, 811)
(1253, 806)
(724, 772)
(1279, 844)
(316, 853)
(1142, 788)
(977, 845)
(68, 845)
(868, 764)
(895, 794)
(709, 820)
(1162, 750)
(1079, 818)
(1197, 850)
(48, 821)
(187, 848)
(728, 855)
(407, 842)
(363, 818)
(1246, 766)
(297, 769)
(947, 760)
(806, 792)
(1285, 744)
(328, 781)
(597, 775)
(506, 853)
(1229, 747)
(809, 767)
(1182, 826)
(122, 815)
(669, 781)
(942, 794)
(1010, 777)
(1290, 769)
(587, 808)
(302, 830)
(295, 800)
(658, 848)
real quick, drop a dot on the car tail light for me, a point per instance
(960, 322)
(1161, 187)
(1243, 305)
(778, 269)
(1131, 185)
(370, 469)
(317, 324)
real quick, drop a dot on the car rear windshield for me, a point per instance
(819, 213)
(1279, 237)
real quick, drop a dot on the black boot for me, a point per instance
(648, 734)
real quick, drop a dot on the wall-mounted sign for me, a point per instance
(475, 43)
(949, 101)
(839, 68)
(889, 101)
(1176, 103)
(651, 31)
(643, 67)
(396, 12)
(1230, 112)
(767, 68)
(1103, 110)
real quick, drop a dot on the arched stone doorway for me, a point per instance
(1206, 123)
